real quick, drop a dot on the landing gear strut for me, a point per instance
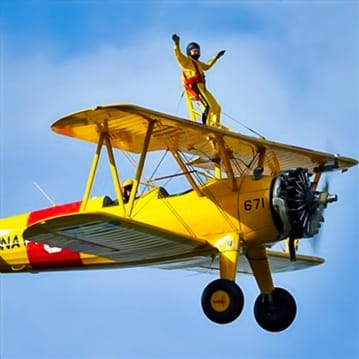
(275, 312)
(222, 301)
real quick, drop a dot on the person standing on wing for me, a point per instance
(194, 79)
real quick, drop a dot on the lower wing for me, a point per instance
(131, 243)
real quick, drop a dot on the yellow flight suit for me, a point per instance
(194, 83)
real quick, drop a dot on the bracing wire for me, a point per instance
(179, 103)
(243, 125)
(159, 164)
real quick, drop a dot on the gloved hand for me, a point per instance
(220, 54)
(175, 39)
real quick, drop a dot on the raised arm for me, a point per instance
(207, 65)
(182, 59)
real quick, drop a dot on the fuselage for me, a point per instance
(246, 213)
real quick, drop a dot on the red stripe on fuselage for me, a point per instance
(42, 256)
(55, 211)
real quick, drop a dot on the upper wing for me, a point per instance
(127, 126)
(123, 240)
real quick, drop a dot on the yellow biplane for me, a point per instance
(244, 194)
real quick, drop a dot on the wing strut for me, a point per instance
(227, 165)
(185, 171)
(140, 165)
(104, 138)
(114, 173)
(92, 173)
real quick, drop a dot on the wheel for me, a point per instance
(222, 301)
(275, 312)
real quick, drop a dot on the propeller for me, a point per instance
(314, 217)
(324, 198)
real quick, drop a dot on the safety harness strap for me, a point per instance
(189, 82)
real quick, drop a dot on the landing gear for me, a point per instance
(222, 301)
(275, 312)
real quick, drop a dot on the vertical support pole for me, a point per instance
(140, 165)
(92, 174)
(227, 164)
(193, 112)
(114, 173)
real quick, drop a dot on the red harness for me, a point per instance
(189, 82)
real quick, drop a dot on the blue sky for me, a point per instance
(290, 72)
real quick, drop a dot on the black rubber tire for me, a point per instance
(232, 304)
(277, 315)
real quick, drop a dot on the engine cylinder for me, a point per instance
(297, 210)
